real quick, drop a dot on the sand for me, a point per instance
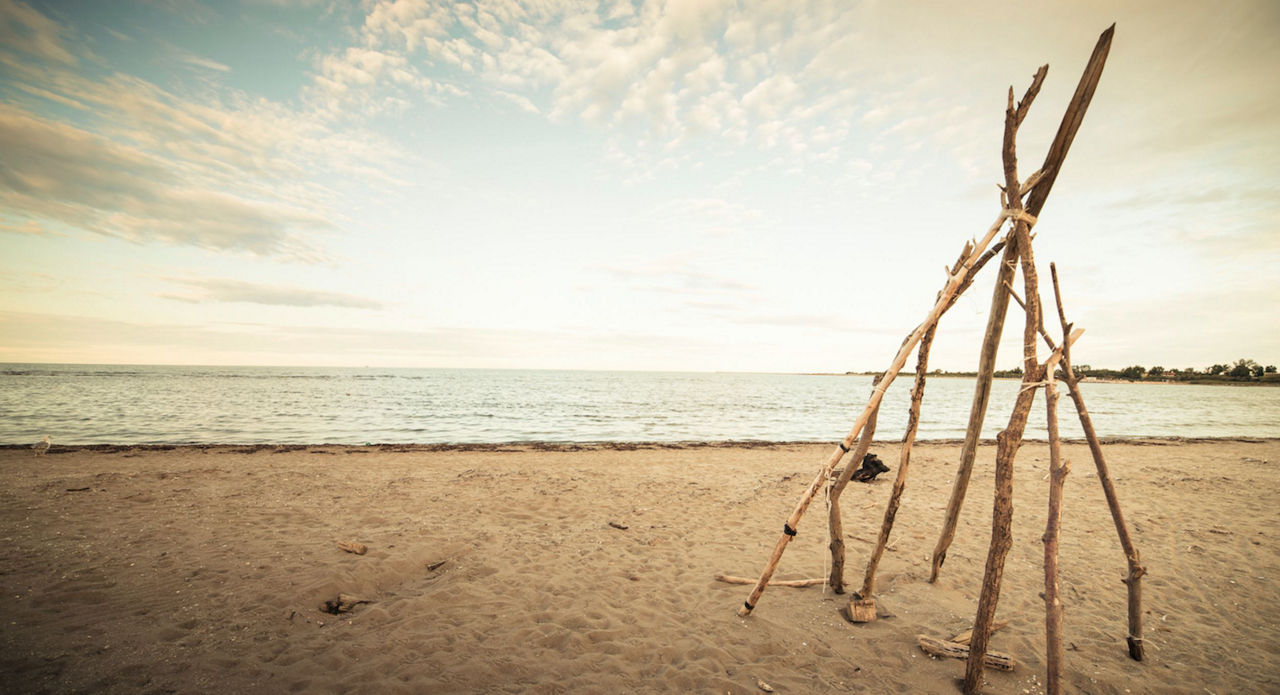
(201, 569)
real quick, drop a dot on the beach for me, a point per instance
(591, 568)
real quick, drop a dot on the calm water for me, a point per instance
(79, 404)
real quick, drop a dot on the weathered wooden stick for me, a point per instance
(1040, 186)
(835, 527)
(904, 458)
(1134, 579)
(904, 462)
(789, 526)
(1058, 470)
(952, 650)
(1070, 124)
(978, 411)
(353, 547)
(964, 637)
(730, 579)
(917, 393)
(1008, 441)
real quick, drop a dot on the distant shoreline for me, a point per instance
(525, 446)
(1083, 380)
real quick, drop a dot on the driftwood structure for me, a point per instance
(1022, 202)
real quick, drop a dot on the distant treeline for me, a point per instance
(1243, 371)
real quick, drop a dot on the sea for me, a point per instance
(129, 404)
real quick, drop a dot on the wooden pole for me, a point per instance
(978, 411)
(1058, 470)
(904, 461)
(1008, 441)
(835, 527)
(1039, 193)
(913, 423)
(917, 393)
(954, 283)
(1134, 579)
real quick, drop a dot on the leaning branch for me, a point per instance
(1134, 579)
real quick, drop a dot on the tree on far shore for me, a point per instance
(1132, 373)
(1243, 369)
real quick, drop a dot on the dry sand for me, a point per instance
(201, 569)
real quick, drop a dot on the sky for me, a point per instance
(658, 185)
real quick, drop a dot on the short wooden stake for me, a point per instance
(862, 610)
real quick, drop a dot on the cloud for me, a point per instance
(190, 10)
(682, 70)
(26, 31)
(217, 169)
(226, 290)
(58, 172)
(684, 290)
(520, 100)
(206, 63)
(29, 227)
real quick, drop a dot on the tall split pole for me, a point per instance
(1053, 160)
(1058, 469)
(1010, 439)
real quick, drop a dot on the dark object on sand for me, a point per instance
(345, 603)
(870, 468)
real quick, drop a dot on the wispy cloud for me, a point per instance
(201, 62)
(202, 290)
(216, 169)
(26, 31)
(191, 10)
(677, 275)
(71, 176)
